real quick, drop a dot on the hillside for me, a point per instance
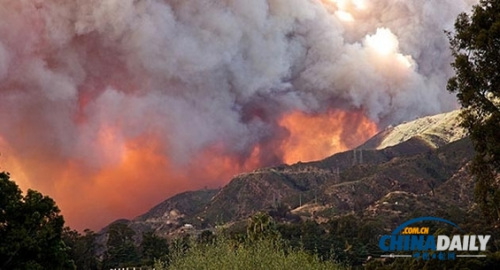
(436, 131)
(334, 189)
(416, 167)
(169, 215)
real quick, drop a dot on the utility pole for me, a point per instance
(354, 157)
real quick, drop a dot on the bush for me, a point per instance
(227, 254)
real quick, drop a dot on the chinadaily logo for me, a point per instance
(412, 239)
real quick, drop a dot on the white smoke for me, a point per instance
(202, 71)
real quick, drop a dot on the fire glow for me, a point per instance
(318, 136)
(137, 175)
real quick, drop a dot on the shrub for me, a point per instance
(228, 254)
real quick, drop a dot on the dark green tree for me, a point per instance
(30, 230)
(153, 248)
(476, 49)
(82, 248)
(262, 226)
(206, 237)
(121, 250)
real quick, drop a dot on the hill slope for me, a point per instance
(436, 131)
(417, 166)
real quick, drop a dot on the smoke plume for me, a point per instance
(109, 106)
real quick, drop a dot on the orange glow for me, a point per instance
(314, 137)
(133, 175)
(12, 165)
(138, 177)
(111, 148)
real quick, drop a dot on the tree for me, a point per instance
(476, 50)
(206, 237)
(262, 226)
(30, 230)
(153, 248)
(82, 248)
(121, 250)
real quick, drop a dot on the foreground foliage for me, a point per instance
(476, 49)
(82, 248)
(30, 230)
(230, 254)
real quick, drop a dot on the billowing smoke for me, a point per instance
(109, 106)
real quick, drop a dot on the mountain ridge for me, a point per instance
(436, 130)
(422, 162)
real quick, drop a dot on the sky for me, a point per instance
(110, 107)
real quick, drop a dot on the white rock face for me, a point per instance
(435, 130)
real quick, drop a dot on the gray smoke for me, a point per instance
(199, 71)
